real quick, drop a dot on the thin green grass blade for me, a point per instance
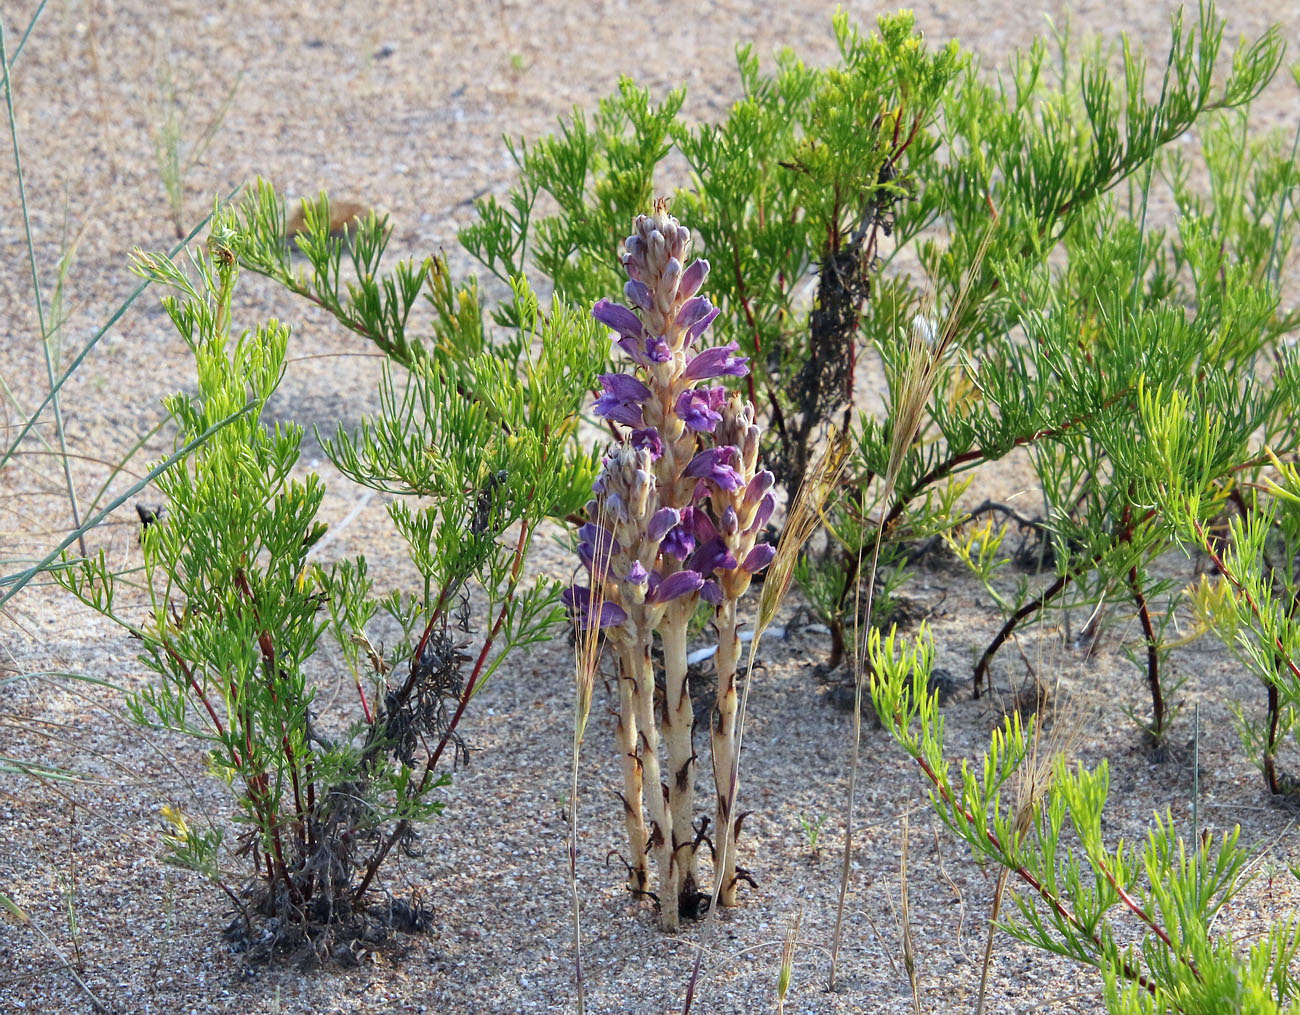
(120, 467)
(95, 339)
(7, 903)
(20, 579)
(81, 678)
(31, 26)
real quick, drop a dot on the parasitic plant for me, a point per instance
(680, 504)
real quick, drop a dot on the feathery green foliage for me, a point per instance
(1074, 894)
(238, 613)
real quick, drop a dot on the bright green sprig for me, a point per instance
(1071, 891)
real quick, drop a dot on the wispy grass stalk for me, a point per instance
(173, 166)
(586, 651)
(93, 341)
(31, 26)
(905, 917)
(927, 357)
(787, 961)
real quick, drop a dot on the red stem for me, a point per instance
(365, 705)
(975, 454)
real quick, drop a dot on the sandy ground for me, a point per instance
(403, 107)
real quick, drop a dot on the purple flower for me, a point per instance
(711, 556)
(652, 350)
(638, 294)
(729, 523)
(692, 278)
(648, 439)
(622, 400)
(763, 513)
(678, 542)
(759, 557)
(677, 584)
(637, 574)
(661, 522)
(590, 532)
(693, 311)
(595, 544)
(625, 387)
(702, 525)
(698, 408)
(700, 326)
(670, 273)
(613, 505)
(758, 486)
(618, 318)
(578, 600)
(716, 362)
(711, 593)
(714, 465)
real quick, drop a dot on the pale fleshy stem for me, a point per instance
(678, 725)
(656, 798)
(638, 876)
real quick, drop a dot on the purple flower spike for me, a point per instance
(638, 294)
(618, 318)
(578, 600)
(676, 585)
(661, 522)
(714, 465)
(692, 278)
(759, 557)
(648, 439)
(698, 409)
(716, 362)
